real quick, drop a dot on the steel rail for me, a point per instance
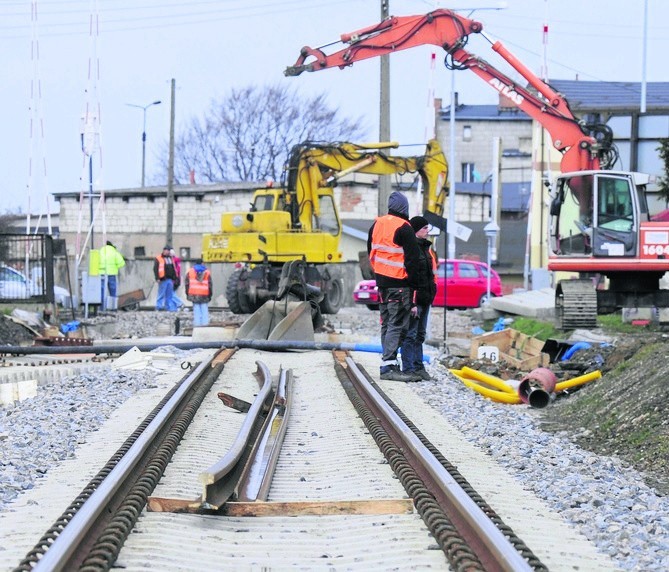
(493, 548)
(257, 475)
(59, 554)
(219, 480)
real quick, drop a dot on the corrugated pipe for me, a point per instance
(580, 380)
(491, 380)
(493, 394)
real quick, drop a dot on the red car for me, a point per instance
(464, 281)
(367, 293)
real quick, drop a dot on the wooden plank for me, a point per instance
(161, 504)
(302, 508)
(223, 356)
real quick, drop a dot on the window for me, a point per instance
(327, 221)
(184, 252)
(448, 267)
(263, 203)
(614, 209)
(468, 270)
(467, 133)
(139, 251)
(468, 173)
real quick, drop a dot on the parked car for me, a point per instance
(15, 286)
(464, 283)
(460, 284)
(367, 293)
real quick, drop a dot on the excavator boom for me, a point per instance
(448, 30)
(315, 166)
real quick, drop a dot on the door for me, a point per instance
(470, 284)
(616, 226)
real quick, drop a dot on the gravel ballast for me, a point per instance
(608, 502)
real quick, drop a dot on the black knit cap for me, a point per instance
(418, 222)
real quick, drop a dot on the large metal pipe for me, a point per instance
(267, 345)
(538, 387)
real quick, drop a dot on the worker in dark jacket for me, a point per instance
(394, 257)
(426, 289)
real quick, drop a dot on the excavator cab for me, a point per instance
(596, 214)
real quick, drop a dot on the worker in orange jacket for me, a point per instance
(198, 291)
(394, 257)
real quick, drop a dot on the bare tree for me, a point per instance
(663, 182)
(247, 134)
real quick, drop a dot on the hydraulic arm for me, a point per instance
(582, 148)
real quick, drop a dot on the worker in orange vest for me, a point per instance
(165, 273)
(198, 291)
(394, 257)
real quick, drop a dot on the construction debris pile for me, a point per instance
(509, 367)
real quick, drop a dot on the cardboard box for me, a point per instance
(515, 348)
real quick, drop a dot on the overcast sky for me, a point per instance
(211, 46)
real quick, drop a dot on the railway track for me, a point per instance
(347, 489)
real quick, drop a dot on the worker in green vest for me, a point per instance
(110, 262)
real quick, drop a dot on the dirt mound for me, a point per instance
(13, 334)
(624, 413)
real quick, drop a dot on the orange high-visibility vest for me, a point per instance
(198, 287)
(161, 266)
(386, 257)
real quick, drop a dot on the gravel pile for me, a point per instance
(603, 499)
(607, 502)
(37, 433)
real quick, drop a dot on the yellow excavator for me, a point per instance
(289, 240)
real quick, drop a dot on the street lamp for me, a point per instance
(144, 108)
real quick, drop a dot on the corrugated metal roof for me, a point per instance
(612, 95)
(582, 96)
(183, 190)
(484, 113)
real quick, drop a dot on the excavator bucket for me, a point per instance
(280, 321)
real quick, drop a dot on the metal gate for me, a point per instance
(26, 268)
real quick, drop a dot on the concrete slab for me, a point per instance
(538, 304)
(213, 334)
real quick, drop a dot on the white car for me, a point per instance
(15, 286)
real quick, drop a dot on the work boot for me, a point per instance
(397, 375)
(423, 374)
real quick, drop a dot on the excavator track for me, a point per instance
(576, 304)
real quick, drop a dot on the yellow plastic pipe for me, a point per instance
(580, 380)
(457, 373)
(498, 396)
(496, 382)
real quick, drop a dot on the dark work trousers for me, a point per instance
(412, 348)
(395, 307)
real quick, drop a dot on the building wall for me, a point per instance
(477, 149)
(132, 223)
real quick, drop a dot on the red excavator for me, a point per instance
(600, 226)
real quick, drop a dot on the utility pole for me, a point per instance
(170, 171)
(384, 115)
